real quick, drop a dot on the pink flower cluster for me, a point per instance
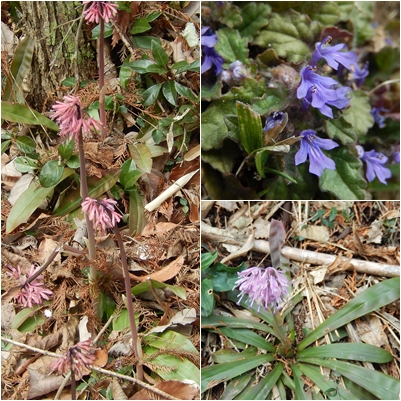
(32, 293)
(100, 10)
(266, 286)
(68, 115)
(77, 358)
(101, 213)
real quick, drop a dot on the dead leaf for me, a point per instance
(117, 390)
(46, 247)
(167, 272)
(243, 251)
(101, 357)
(180, 390)
(316, 233)
(186, 316)
(372, 332)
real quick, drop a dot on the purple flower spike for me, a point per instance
(379, 119)
(359, 74)
(32, 293)
(311, 147)
(333, 55)
(101, 213)
(100, 10)
(321, 92)
(266, 286)
(208, 40)
(374, 165)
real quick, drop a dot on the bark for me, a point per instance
(53, 25)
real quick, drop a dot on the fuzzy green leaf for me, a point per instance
(231, 46)
(340, 130)
(254, 18)
(328, 14)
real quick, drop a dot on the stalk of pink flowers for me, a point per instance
(77, 358)
(32, 293)
(98, 10)
(101, 213)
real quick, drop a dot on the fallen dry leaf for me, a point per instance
(180, 390)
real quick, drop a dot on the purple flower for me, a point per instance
(333, 55)
(396, 157)
(68, 115)
(208, 40)
(374, 165)
(379, 119)
(77, 358)
(101, 213)
(266, 286)
(358, 75)
(32, 293)
(311, 146)
(100, 10)
(321, 92)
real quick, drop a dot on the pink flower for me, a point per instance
(100, 10)
(31, 293)
(266, 286)
(77, 358)
(68, 115)
(101, 213)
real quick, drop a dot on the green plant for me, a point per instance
(273, 342)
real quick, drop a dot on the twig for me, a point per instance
(100, 370)
(76, 47)
(123, 38)
(301, 255)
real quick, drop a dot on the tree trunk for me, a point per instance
(53, 25)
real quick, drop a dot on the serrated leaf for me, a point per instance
(340, 130)
(159, 54)
(345, 182)
(328, 13)
(140, 25)
(18, 113)
(96, 187)
(169, 92)
(288, 35)
(20, 67)
(50, 174)
(358, 114)
(150, 95)
(232, 16)
(250, 128)
(27, 203)
(142, 156)
(254, 18)
(231, 46)
(25, 144)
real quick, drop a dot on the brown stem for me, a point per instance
(101, 81)
(134, 331)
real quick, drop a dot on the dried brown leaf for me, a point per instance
(182, 391)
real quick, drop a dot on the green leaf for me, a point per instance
(4, 145)
(144, 42)
(25, 144)
(169, 92)
(264, 387)
(140, 66)
(288, 34)
(345, 182)
(358, 114)
(23, 315)
(184, 91)
(213, 375)
(65, 149)
(231, 46)
(231, 16)
(324, 383)
(234, 387)
(68, 82)
(125, 74)
(150, 95)
(96, 187)
(182, 66)
(137, 219)
(207, 259)
(73, 161)
(248, 337)
(250, 128)
(140, 25)
(123, 320)
(352, 351)
(25, 164)
(366, 302)
(207, 298)
(142, 156)
(340, 130)
(19, 69)
(300, 394)
(225, 355)
(383, 386)
(32, 323)
(328, 14)
(108, 31)
(27, 203)
(129, 174)
(254, 18)
(170, 340)
(18, 113)
(145, 286)
(153, 16)
(50, 174)
(234, 323)
(156, 69)
(159, 54)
